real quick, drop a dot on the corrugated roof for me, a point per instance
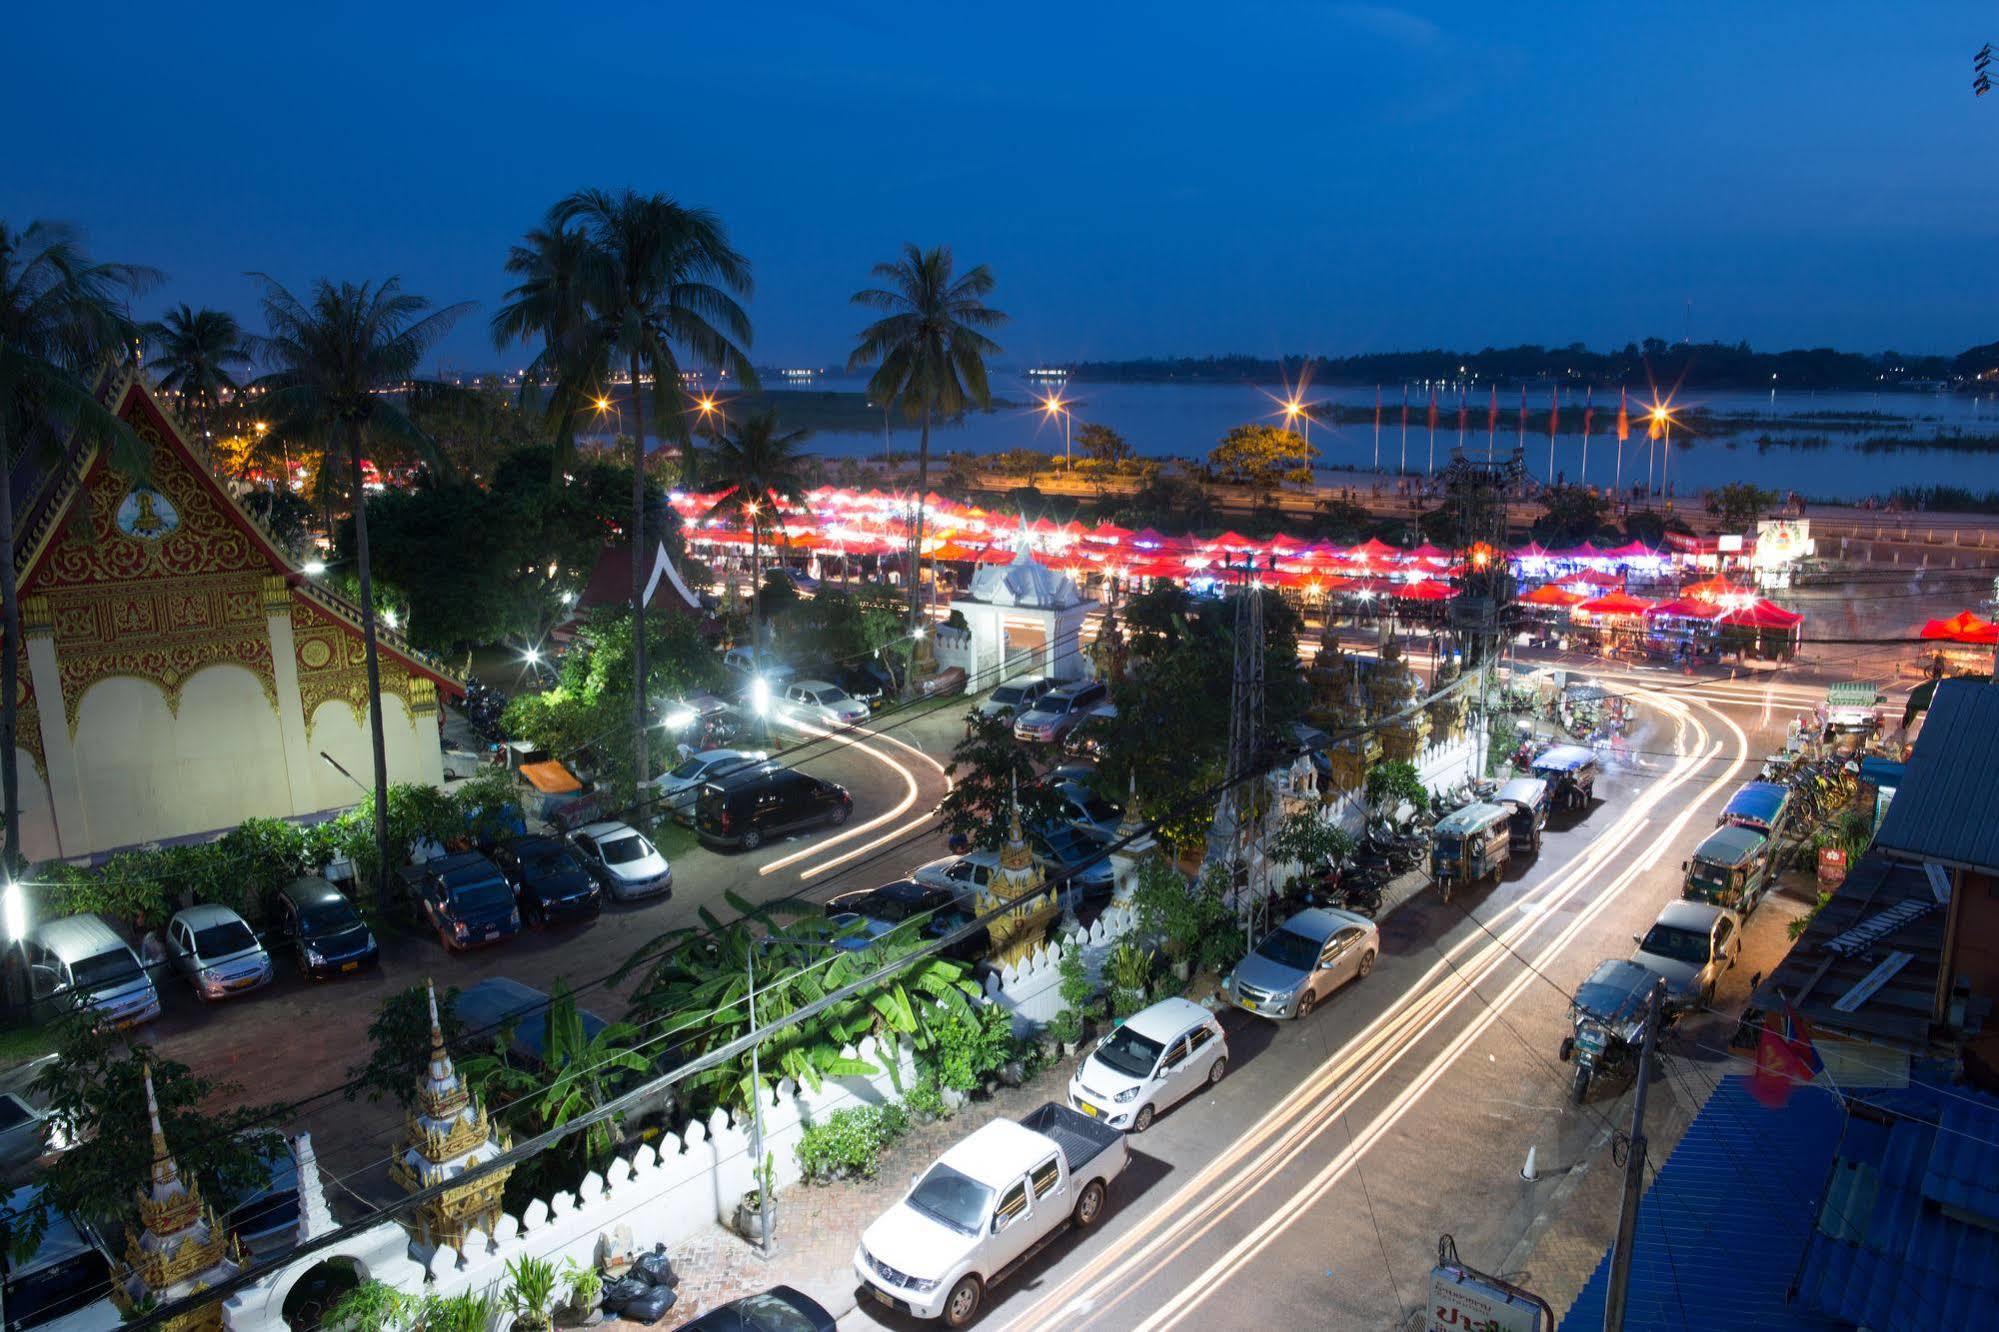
(1814, 978)
(1947, 808)
(1722, 1226)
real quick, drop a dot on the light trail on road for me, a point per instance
(846, 737)
(1289, 1128)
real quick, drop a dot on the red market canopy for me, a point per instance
(1589, 550)
(1686, 608)
(1598, 578)
(1963, 627)
(1374, 548)
(1615, 603)
(1426, 551)
(1551, 594)
(1631, 550)
(1233, 541)
(1717, 589)
(1533, 550)
(1762, 615)
(1109, 532)
(1428, 589)
(1150, 537)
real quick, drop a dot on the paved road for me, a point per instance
(1310, 1188)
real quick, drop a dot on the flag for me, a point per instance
(1554, 410)
(1623, 419)
(1492, 412)
(1377, 409)
(1461, 413)
(1785, 1057)
(1405, 408)
(1433, 409)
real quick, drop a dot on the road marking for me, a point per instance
(1290, 1125)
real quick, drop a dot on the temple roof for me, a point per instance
(1026, 582)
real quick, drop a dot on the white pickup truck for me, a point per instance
(984, 1207)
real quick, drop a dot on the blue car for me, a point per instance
(465, 899)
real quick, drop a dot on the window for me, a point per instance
(1198, 1038)
(1722, 929)
(1175, 1056)
(1046, 1176)
(1013, 1203)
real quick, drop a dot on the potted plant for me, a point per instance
(1067, 1029)
(583, 1285)
(1129, 971)
(750, 1211)
(530, 1295)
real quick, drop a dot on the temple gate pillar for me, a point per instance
(291, 704)
(52, 711)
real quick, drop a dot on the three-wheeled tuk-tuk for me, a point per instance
(1731, 867)
(1608, 1014)
(1470, 843)
(1570, 772)
(1529, 798)
(1758, 806)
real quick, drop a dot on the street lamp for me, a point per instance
(1053, 405)
(14, 910)
(314, 568)
(1294, 407)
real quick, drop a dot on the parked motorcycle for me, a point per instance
(1608, 1015)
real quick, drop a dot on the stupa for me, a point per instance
(180, 1248)
(446, 1135)
(1019, 884)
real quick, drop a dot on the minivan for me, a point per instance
(69, 1271)
(746, 809)
(81, 958)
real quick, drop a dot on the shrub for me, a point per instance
(1184, 915)
(970, 1044)
(924, 1100)
(850, 1143)
(1075, 986)
(1129, 972)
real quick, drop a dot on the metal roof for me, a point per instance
(1722, 1226)
(1731, 845)
(1471, 818)
(1814, 977)
(1947, 808)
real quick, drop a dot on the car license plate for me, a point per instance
(243, 984)
(1087, 1108)
(1589, 1043)
(886, 1298)
(350, 966)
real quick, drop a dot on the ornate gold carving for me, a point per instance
(277, 595)
(36, 621)
(422, 697)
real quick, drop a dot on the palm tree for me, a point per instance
(761, 467)
(195, 349)
(929, 353)
(61, 315)
(333, 363)
(660, 278)
(548, 305)
(578, 1073)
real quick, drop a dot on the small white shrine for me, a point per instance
(1025, 619)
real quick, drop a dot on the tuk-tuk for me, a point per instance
(1529, 798)
(1471, 843)
(1758, 806)
(1731, 867)
(1570, 772)
(1853, 708)
(1608, 1014)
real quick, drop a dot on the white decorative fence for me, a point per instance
(1032, 993)
(954, 648)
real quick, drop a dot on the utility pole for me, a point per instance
(1237, 837)
(1634, 1171)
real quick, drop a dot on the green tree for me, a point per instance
(1390, 784)
(548, 304)
(660, 278)
(96, 1099)
(61, 317)
(399, 1045)
(762, 467)
(334, 365)
(1569, 515)
(929, 351)
(1738, 503)
(988, 769)
(1102, 443)
(1263, 456)
(194, 351)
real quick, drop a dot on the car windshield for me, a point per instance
(1670, 941)
(540, 860)
(231, 936)
(326, 916)
(1097, 809)
(1130, 1053)
(485, 895)
(105, 969)
(833, 694)
(689, 770)
(625, 850)
(768, 1313)
(957, 1200)
(1718, 878)
(1288, 948)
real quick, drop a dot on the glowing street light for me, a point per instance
(14, 910)
(532, 656)
(1053, 405)
(314, 568)
(760, 696)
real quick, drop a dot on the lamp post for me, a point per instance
(1053, 405)
(1294, 407)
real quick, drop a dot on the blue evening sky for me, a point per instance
(1254, 176)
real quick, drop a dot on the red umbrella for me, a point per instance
(1963, 627)
(1426, 551)
(1150, 537)
(1716, 589)
(1615, 603)
(1687, 609)
(1234, 541)
(1763, 615)
(1374, 548)
(1631, 550)
(1109, 532)
(1551, 594)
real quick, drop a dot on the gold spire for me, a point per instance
(1015, 855)
(166, 1171)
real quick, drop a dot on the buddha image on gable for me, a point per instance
(147, 514)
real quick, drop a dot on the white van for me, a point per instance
(80, 959)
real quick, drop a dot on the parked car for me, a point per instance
(819, 703)
(465, 899)
(619, 857)
(216, 951)
(266, 1221)
(868, 680)
(680, 785)
(323, 928)
(745, 664)
(972, 949)
(24, 1135)
(963, 875)
(1152, 1060)
(498, 1002)
(984, 1205)
(1690, 944)
(549, 881)
(1088, 812)
(69, 1271)
(1090, 737)
(779, 1309)
(882, 909)
(1059, 711)
(746, 809)
(1076, 859)
(1302, 961)
(78, 961)
(1010, 698)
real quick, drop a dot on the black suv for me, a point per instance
(746, 809)
(323, 926)
(465, 899)
(550, 883)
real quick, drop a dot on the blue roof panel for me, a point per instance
(1947, 808)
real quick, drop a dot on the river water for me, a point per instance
(1818, 461)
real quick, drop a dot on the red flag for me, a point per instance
(1785, 1057)
(1492, 412)
(1377, 409)
(1623, 419)
(1433, 409)
(1589, 409)
(1554, 410)
(1523, 409)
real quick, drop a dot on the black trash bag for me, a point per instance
(621, 1291)
(656, 1268)
(651, 1306)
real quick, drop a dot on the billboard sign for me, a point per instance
(1462, 1300)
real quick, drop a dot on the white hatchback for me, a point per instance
(1152, 1060)
(817, 703)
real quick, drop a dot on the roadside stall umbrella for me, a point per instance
(1552, 595)
(1963, 627)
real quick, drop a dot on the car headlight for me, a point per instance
(923, 1285)
(314, 957)
(458, 928)
(1128, 1094)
